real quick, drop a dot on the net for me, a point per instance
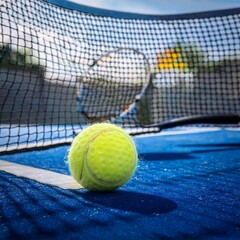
(63, 66)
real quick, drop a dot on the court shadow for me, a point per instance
(215, 150)
(166, 156)
(230, 145)
(213, 147)
(132, 202)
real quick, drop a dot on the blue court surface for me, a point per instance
(186, 187)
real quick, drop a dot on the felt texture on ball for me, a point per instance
(103, 157)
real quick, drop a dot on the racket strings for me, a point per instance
(113, 84)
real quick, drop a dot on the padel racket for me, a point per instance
(113, 84)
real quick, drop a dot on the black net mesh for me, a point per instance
(62, 68)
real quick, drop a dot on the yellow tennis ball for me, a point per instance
(102, 157)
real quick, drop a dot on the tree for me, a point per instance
(18, 58)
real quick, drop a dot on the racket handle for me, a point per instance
(198, 119)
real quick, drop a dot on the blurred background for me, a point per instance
(161, 6)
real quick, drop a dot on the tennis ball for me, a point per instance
(102, 157)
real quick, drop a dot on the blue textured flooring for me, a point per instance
(186, 187)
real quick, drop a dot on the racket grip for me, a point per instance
(198, 119)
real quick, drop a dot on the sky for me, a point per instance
(161, 6)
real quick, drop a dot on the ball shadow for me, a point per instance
(132, 201)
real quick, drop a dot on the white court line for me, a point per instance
(23, 146)
(40, 175)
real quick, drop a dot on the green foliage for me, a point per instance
(195, 59)
(17, 58)
(192, 55)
